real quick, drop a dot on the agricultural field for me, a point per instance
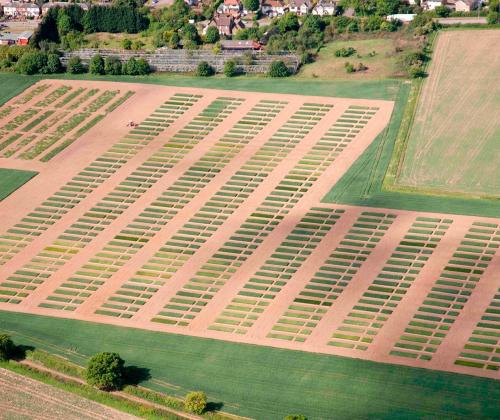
(12, 179)
(453, 145)
(25, 398)
(206, 219)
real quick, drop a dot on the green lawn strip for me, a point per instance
(64, 366)
(89, 393)
(13, 84)
(12, 179)
(265, 382)
(373, 89)
(364, 183)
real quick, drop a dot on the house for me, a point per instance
(466, 5)
(47, 6)
(324, 8)
(230, 7)
(240, 45)
(26, 10)
(300, 7)
(24, 37)
(8, 38)
(273, 8)
(225, 24)
(432, 4)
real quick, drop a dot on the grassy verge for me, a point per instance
(262, 382)
(12, 179)
(90, 393)
(373, 89)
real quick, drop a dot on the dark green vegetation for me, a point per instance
(13, 84)
(247, 379)
(12, 179)
(365, 183)
(105, 371)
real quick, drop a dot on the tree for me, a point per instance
(143, 67)
(113, 66)
(53, 63)
(251, 5)
(96, 65)
(75, 65)
(295, 417)
(105, 371)
(134, 67)
(387, 7)
(278, 69)
(493, 17)
(289, 22)
(204, 69)
(230, 69)
(212, 35)
(442, 11)
(196, 402)
(63, 23)
(190, 33)
(7, 347)
(32, 62)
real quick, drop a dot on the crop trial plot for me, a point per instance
(199, 212)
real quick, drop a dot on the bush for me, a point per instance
(134, 67)
(493, 17)
(442, 11)
(278, 69)
(204, 69)
(251, 5)
(345, 52)
(361, 67)
(32, 62)
(75, 65)
(113, 66)
(230, 69)
(7, 347)
(96, 65)
(174, 41)
(295, 417)
(212, 35)
(53, 63)
(126, 44)
(105, 371)
(196, 402)
(349, 68)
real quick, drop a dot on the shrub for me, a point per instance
(126, 44)
(212, 35)
(75, 65)
(32, 62)
(204, 69)
(134, 67)
(137, 45)
(295, 417)
(53, 63)
(278, 69)
(361, 67)
(230, 69)
(105, 371)
(493, 17)
(349, 68)
(7, 347)
(251, 5)
(442, 11)
(96, 65)
(174, 41)
(113, 66)
(196, 402)
(345, 52)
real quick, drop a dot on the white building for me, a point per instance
(273, 8)
(26, 10)
(324, 8)
(300, 7)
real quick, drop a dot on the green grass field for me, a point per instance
(453, 144)
(12, 179)
(267, 383)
